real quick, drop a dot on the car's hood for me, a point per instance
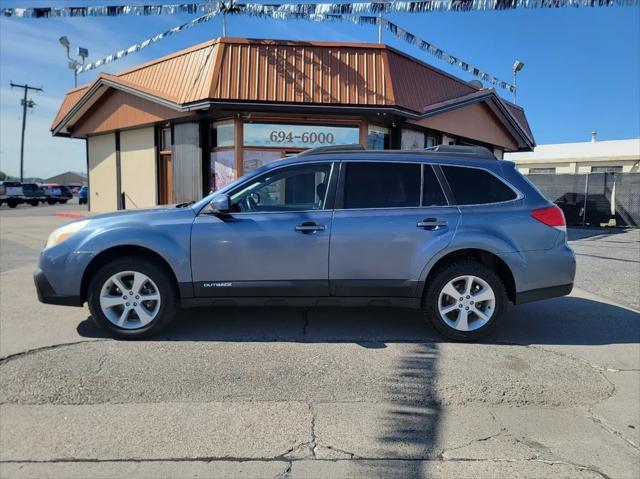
(142, 215)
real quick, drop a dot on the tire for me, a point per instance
(12, 203)
(160, 282)
(484, 282)
(51, 202)
(33, 203)
(63, 202)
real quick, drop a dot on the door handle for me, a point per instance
(431, 224)
(309, 227)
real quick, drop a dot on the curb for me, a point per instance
(71, 215)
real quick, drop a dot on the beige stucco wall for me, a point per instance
(138, 167)
(580, 157)
(579, 167)
(560, 167)
(102, 173)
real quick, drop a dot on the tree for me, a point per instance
(3, 176)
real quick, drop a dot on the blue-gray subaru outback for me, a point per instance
(450, 230)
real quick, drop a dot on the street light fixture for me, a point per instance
(73, 64)
(517, 66)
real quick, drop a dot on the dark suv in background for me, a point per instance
(451, 230)
(57, 193)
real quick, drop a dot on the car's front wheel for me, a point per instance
(464, 300)
(132, 298)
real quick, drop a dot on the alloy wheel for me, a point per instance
(130, 299)
(466, 303)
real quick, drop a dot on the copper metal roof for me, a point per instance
(285, 72)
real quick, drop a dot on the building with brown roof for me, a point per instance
(174, 128)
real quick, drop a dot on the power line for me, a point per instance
(26, 103)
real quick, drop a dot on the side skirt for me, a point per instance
(302, 301)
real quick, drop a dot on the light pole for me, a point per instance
(517, 66)
(73, 64)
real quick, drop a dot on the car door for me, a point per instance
(390, 219)
(275, 242)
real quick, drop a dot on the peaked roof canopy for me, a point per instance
(363, 76)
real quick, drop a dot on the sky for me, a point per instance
(582, 66)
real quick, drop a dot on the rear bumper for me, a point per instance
(543, 293)
(46, 293)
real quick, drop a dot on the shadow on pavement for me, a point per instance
(568, 320)
(576, 233)
(409, 425)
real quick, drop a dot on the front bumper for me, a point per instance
(46, 293)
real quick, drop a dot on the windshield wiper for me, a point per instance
(182, 205)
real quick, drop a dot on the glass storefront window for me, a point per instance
(281, 135)
(254, 159)
(222, 168)
(377, 137)
(411, 139)
(165, 139)
(430, 141)
(222, 134)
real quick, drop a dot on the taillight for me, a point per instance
(551, 216)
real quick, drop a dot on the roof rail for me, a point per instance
(475, 151)
(332, 149)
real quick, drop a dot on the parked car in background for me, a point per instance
(33, 194)
(52, 193)
(65, 194)
(83, 194)
(57, 193)
(11, 193)
(450, 230)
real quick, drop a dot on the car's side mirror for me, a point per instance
(220, 203)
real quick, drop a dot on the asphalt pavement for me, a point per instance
(303, 393)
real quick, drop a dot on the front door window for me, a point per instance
(297, 188)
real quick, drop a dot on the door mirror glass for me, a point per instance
(220, 203)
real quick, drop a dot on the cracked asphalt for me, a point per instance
(293, 393)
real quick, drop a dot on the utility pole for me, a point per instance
(26, 103)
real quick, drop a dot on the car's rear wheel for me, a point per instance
(464, 300)
(132, 298)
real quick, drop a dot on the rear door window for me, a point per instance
(473, 186)
(382, 185)
(432, 194)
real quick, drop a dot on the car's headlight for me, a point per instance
(65, 232)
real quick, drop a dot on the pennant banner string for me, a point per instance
(139, 46)
(359, 20)
(340, 8)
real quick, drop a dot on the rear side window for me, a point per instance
(471, 186)
(382, 185)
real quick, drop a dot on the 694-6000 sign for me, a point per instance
(307, 137)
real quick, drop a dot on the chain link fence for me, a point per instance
(593, 198)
